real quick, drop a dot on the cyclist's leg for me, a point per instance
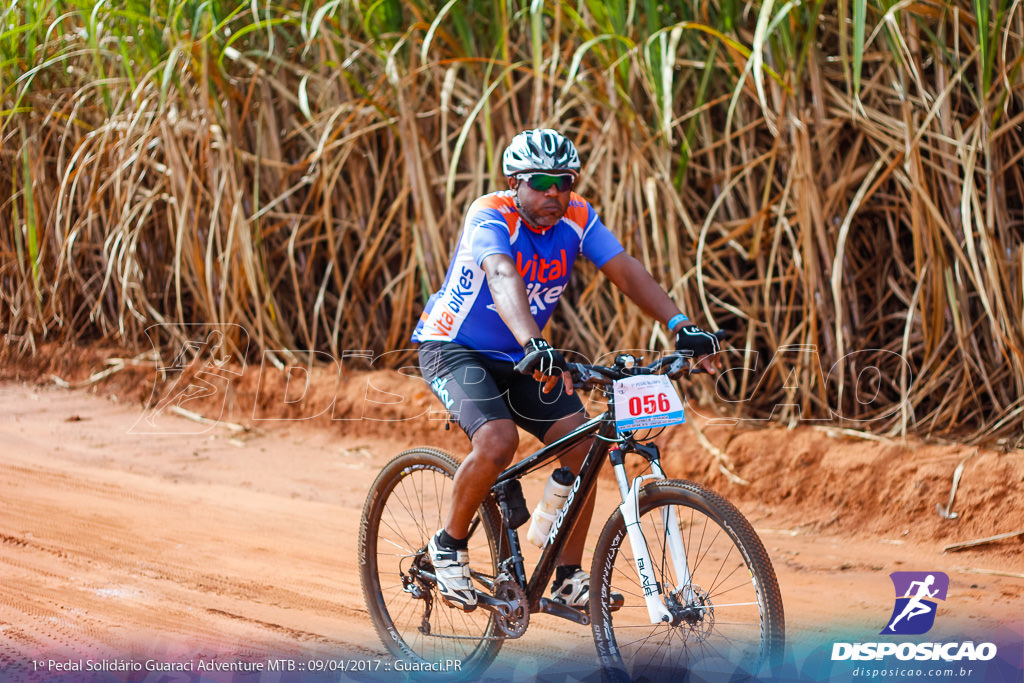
(494, 446)
(465, 383)
(460, 378)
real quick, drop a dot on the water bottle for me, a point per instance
(555, 493)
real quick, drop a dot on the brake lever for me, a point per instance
(583, 376)
(681, 363)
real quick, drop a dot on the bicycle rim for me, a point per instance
(407, 504)
(728, 618)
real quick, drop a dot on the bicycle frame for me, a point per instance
(602, 430)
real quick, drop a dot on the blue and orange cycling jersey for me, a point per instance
(463, 310)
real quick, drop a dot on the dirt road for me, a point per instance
(122, 545)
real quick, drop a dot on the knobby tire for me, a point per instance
(735, 626)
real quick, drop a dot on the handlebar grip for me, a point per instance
(698, 370)
(694, 369)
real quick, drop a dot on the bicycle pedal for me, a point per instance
(456, 605)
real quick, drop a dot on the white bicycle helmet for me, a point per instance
(542, 149)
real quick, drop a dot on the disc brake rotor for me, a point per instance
(698, 613)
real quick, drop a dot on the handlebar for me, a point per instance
(672, 364)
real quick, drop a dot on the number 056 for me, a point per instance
(649, 404)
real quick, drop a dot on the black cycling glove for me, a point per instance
(540, 356)
(693, 342)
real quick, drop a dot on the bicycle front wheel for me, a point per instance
(406, 505)
(727, 617)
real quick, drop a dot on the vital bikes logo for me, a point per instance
(916, 603)
(544, 280)
(459, 293)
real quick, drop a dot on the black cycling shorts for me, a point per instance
(476, 389)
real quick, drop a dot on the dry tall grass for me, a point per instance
(839, 182)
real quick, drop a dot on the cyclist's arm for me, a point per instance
(509, 295)
(510, 300)
(630, 276)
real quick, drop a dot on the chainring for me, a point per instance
(514, 623)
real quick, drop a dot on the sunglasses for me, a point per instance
(542, 182)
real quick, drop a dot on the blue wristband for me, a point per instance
(676, 319)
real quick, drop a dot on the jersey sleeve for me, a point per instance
(598, 243)
(488, 234)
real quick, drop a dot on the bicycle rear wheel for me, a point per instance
(406, 505)
(727, 619)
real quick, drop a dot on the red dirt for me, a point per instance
(164, 537)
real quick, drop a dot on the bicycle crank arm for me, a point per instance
(557, 609)
(502, 607)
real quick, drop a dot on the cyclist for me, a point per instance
(482, 351)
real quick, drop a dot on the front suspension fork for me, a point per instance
(630, 509)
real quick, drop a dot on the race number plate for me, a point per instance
(646, 401)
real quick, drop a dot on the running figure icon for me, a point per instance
(916, 602)
(916, 606)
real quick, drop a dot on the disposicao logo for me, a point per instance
(917, 594)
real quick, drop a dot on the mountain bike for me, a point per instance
(679, 581)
